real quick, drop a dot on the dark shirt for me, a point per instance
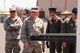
(54, 26)
(70, 26)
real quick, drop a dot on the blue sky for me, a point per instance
(19, 3)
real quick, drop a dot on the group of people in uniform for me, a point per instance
(57, 25)
(17, 29)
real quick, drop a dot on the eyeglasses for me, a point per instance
(12, 11)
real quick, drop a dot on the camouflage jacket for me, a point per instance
(31, 27)
(12, 27)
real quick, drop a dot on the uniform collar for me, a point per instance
(35, 20)
(56, 17)
(14, 18)
(74, 20)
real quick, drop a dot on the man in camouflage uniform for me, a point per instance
(12, 26)
(70, 27)
(25, 13)
(31, 26)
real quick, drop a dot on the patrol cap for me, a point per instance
(74, 10)
(52, 9)
(35, 9)
(12, 9)
(27, 10)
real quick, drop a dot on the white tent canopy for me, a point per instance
(66, 12)
(2, 12)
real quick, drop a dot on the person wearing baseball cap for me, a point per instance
(54, 26)
(74, 10)
(74, 14)
(25, 13)
(31, 26)
(28, 12)
(12, 12)
(70, 27)
(12, 26)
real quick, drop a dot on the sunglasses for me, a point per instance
(12, 11)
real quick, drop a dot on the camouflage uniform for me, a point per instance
(12, 27)
(30, 27)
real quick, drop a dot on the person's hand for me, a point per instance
(64, 44)
(26, 45)
(12, 26)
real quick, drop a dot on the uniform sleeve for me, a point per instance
(23, 32)
(17, 25)
(42, 29)
(6, 25)
(45, 26)
(47, 29)
(64, 27)
(59, 26)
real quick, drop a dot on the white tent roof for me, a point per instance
(4, 12)
(66, 12)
